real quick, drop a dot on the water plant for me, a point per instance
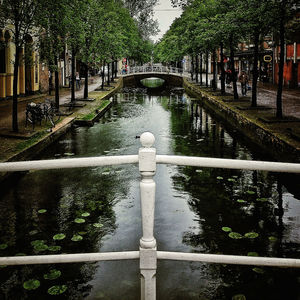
(251, 235)
(250, 192)
(53, 274)
(252, 253)
(226, 229)
(235, 235)
(57, 289)
(31, 284)
(220, 178)
(85, 214)
(59, 236)
(239, 297)
(79, 220)
(3, 246)
(42, 211)
(241, 201)
(262, 199)
(77, 238)
(272, 238)
(258, 270)
(98, 225)
(54, 248)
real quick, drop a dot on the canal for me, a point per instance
(197, 210)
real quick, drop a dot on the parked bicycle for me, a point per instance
(36, 112)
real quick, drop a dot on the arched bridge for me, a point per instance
(171, 76)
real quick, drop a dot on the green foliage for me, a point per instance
(31, 284)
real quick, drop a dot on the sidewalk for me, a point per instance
(266, 96)
(6, 106)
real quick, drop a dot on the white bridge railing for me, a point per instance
(154, 69)
(148, 254)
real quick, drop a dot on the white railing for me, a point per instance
(153, 69)
(148, 254)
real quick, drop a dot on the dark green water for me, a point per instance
(192, 206)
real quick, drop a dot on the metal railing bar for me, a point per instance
(68, 163)
(68, 258)
(230, 259)
(228, 163)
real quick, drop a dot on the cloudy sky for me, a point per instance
(165, 14)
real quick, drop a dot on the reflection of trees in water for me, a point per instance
(215, 204)
(66, 195)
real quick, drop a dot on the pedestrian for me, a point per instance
(77, 81)
(243, 79)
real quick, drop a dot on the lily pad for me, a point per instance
(3, 246)
(40, 247)
(85, 214)
(98, 225)
(31, 284)
(226, 229)
(199, 171)
(220, 178)
(54, 248)
(235, 235)
(262, 199)
(53, 274)
(251, 235)
(272, 238)
(250, 192)
(241, 201)
(252, 253)
(79, 220)
(231, 179)
(57, 289)
(239, 297)
(82, 232)
(77, 238)
(37, 242)
(69, 154)
(59, 236)
(258, 270)
(235, 176)
(42, 211)
(33, 232)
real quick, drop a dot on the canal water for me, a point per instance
(201, 210)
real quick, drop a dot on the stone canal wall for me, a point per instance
(265, 140)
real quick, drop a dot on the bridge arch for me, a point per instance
(132, 80)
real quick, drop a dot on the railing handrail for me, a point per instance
(99, 161)
(154, 69)
(148, 253)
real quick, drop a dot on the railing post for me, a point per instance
(148, 260)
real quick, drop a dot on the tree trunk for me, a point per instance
(192, 68)
(255, 71)
(56, 83)
(234, 76)
(214, 83)
(15, 127)
(73, 77)
(281, 63)
(201, 63)
(206, 71)
(197, 68)
(116, 69)
(108, 71)
(103, 76)
(86, 82)
(112, 71)
(222, 69)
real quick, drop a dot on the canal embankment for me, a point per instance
(85, 115)
(278, 138)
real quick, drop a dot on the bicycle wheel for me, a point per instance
(30, 119)
(53, 116)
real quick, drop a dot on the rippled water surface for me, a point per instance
(197, 210)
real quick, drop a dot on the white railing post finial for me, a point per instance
(148, 256)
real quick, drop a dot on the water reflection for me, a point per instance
(193, 207)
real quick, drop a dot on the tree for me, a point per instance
(19, 15)
(51, 19)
